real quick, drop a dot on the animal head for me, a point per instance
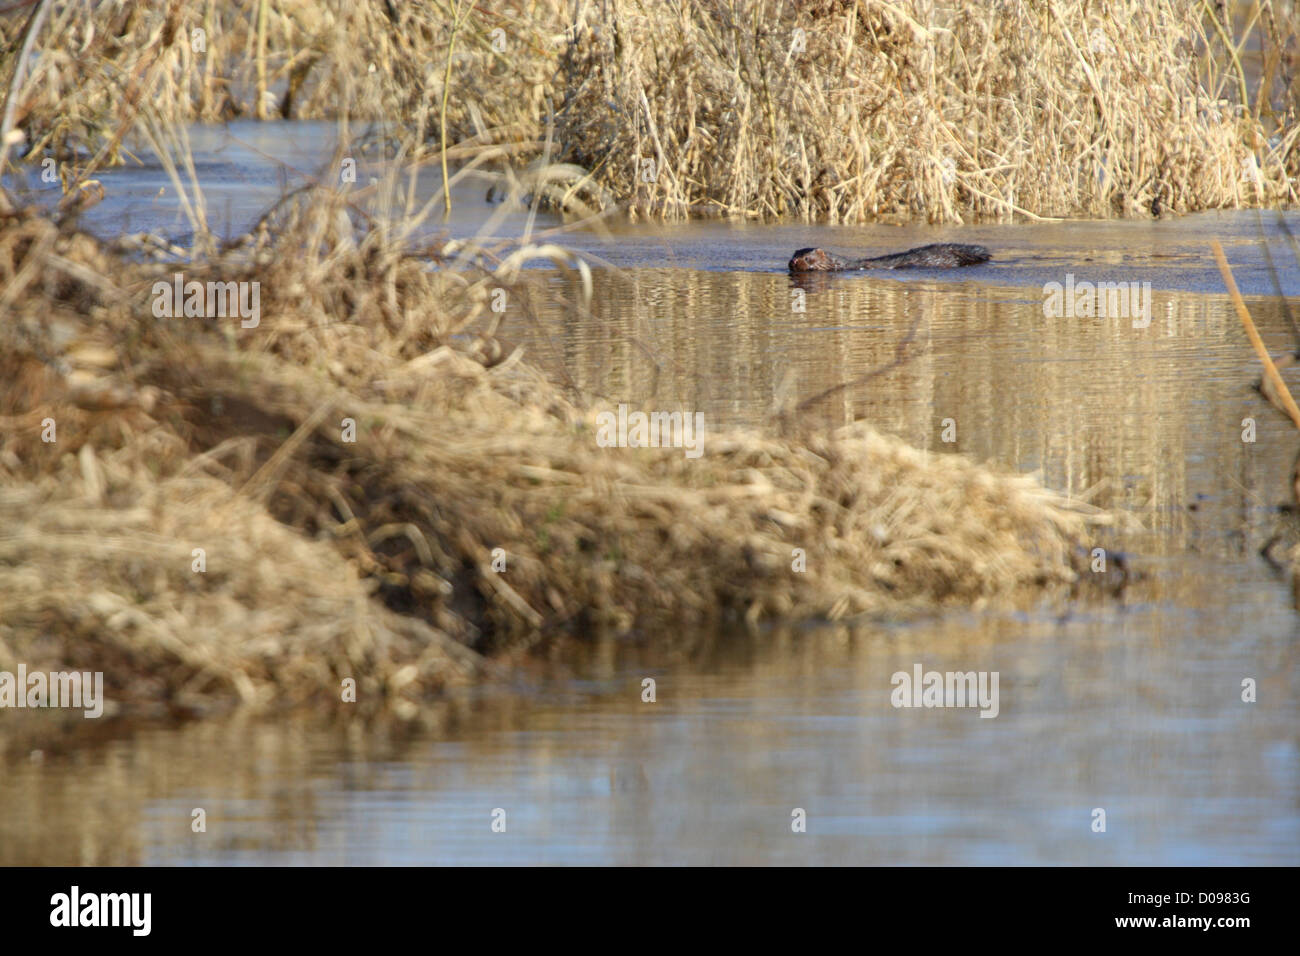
(812, 260)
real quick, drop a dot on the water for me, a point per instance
(1131, 704)
(246, 166)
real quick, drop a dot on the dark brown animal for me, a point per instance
(940, 255)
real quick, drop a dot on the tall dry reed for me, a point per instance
(834, 109)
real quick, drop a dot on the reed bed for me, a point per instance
(920, 110)
(379, 558)
(820, 109)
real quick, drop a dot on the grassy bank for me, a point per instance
(184, 507)
(830, 109)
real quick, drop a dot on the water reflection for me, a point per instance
(1133, 705)
(1148, 420)
(740, 736)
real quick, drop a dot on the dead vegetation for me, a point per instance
(933, 111)
(368, 484)
(327, 558)
(835, 109)
(1272, 386)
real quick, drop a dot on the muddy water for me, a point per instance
(1131, 704)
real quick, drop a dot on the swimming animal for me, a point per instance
(939, 255)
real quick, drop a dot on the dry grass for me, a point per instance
(214, 61)
(1274, 388)
(105, 584)
(920, 110)
(328, 558)
(835, 109)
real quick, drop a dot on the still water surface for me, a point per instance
(1131, 704)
